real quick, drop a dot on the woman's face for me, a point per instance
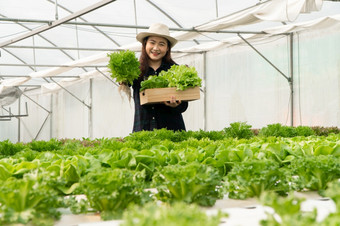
(156, 48)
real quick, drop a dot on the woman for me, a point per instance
(156, 57)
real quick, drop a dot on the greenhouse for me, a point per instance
(261, 135)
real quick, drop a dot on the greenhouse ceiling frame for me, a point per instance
(67, 20)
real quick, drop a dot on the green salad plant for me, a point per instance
(179, 76)
(287, 211)
(169, 215)
(124, 67)
(189, 183)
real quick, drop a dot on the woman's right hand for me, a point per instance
(173, 102)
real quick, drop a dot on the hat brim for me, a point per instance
(140, 37)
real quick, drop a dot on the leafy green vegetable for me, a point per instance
(190, 183)
(179, 76)
(154, 81)
(278, 130)
(111, 191)
(314, 172)
(182, 77)
(41, 145)
(251, 178)
(165, 215)
(23, 200)
(287, 211)
(124, 66)
(7, 148)
(239, 130)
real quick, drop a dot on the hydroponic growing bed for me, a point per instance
(183, 178)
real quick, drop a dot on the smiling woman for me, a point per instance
(156, 57)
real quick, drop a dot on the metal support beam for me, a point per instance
(26, 76)
(286, 77)
(51, 65)
(90, 129)
(88, 106)
(291, 71)
(49, 113)
(291, 82)
(141, 27)
(74, 48)
(107, 77)
(57, 22)
(11, 115)
(36, 103)
(41, 127)
(59, 48)
(81, 18)
(162, 11)
(205, 92)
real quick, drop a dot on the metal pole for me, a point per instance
(57, 22)
(204, 91)
(291, 82)
(36, 103)
(162, 11)
(41, 127)
(56, 10)
(90, 110)
(216, 4)
(135, 12)
(52, 65)
(83, 102)
(107, 77)
(142, 27)
(286, 77)
(60, 47)
(51, 118)
(19, 120)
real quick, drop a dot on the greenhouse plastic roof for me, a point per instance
(46, 43)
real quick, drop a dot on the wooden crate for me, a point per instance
(158, 95)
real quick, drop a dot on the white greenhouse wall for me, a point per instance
(317, 82)
(240, 86)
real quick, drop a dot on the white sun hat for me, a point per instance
(157, 29)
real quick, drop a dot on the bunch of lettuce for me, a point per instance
(28, 200)
(111, 191)
(287, 211)
(179, 76)
(251, 178)
(189, 183)
(166, 215)
(124, 66)
(154, 81)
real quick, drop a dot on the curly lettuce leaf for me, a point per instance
(124, 66)
(182, 77)
(179, 76)
(154, 81)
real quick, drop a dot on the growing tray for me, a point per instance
(158, 95)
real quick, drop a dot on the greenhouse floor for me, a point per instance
(247, 212)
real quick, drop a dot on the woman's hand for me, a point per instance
(173, 102)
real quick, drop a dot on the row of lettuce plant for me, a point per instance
(41, 177)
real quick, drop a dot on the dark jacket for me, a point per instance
(156, 116)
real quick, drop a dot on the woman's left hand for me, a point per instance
(173, 102)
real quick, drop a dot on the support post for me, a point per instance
(288, 78)
(90, 133)
(204, 92)
(291, 81)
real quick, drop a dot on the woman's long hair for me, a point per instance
(144, 58)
